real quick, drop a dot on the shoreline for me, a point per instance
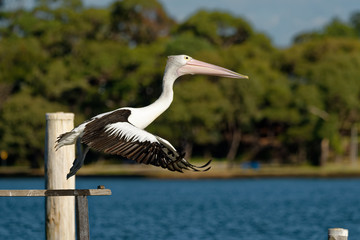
(219, 170)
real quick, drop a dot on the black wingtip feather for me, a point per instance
(183, 164)
(205, 165)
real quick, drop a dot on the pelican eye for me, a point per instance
(187, 57)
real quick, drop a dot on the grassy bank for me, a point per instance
(218, 170)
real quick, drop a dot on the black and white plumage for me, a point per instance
(121, 132)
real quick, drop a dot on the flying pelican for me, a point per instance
(121, 132)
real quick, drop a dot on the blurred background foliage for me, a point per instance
(299, 106)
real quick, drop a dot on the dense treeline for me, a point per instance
(299, 105)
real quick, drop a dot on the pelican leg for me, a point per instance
(79, 161)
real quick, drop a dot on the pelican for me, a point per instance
(121, 131)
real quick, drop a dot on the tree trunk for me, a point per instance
(324, 151)
(188, 149)
(301, 153)
(338, 158)
(353, 146)
(235, 142)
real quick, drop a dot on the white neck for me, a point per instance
(142, 117)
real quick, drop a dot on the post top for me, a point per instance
(338, 232)
(59, 116)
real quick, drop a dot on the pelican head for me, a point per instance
(188, 65)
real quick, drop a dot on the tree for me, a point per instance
(355, 22)
(219, 28)
(187, 43)
(139, 21)
(62, 56)
(22, 127)
(335, 28)
(331, 66)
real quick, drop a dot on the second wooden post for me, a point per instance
(338, 234)
(60, 211)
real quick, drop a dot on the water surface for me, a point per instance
(257, 209)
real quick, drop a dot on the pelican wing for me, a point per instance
(124, 139)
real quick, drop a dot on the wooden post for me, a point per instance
(338, 234)
(60, 211)
(82, 218)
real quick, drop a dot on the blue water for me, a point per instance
(256, 209)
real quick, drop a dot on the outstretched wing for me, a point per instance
(124, 139)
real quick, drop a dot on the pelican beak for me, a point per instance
(194, 66)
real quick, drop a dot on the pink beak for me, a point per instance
(198, 67)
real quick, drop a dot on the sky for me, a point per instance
(281, 20)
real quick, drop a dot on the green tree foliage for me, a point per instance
(335, 28)
(139, 21)
(61, 56)
(22, 127)
(355, 22)
(219, 28)
(328, 70)
(187, 43)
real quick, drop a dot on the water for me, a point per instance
(256, 209)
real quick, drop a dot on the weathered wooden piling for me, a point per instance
(338, 234)
(60, 211)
